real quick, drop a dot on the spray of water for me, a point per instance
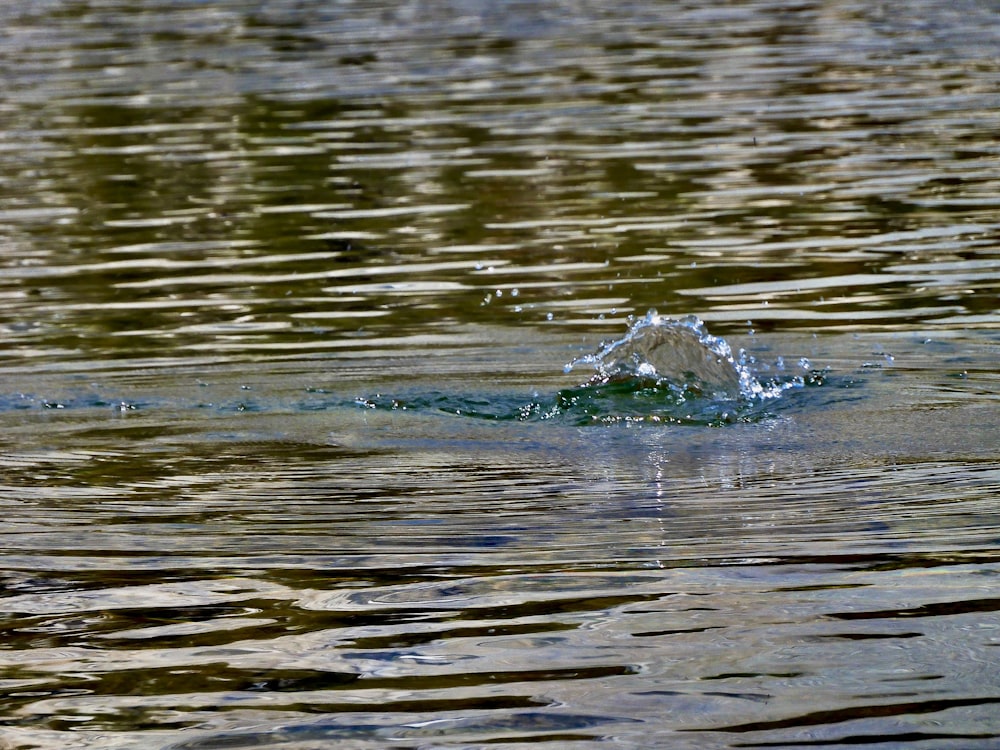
(681, 356)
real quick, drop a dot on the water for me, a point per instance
(288, 455)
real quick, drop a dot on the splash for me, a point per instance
(680, 355)
(670, 370)
(664, 370)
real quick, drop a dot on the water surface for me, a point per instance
(288, 455)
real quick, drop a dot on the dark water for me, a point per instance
(289, 456)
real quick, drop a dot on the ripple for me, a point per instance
(288, 455)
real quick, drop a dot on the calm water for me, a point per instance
(288, 455)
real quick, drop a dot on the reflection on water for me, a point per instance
(261, 263)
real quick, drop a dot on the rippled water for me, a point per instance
(288, 455)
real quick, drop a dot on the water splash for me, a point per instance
(671, 370)
(664, 370)
(679, 355)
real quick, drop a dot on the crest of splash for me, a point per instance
(680, 356)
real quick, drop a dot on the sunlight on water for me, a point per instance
(288, 458)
